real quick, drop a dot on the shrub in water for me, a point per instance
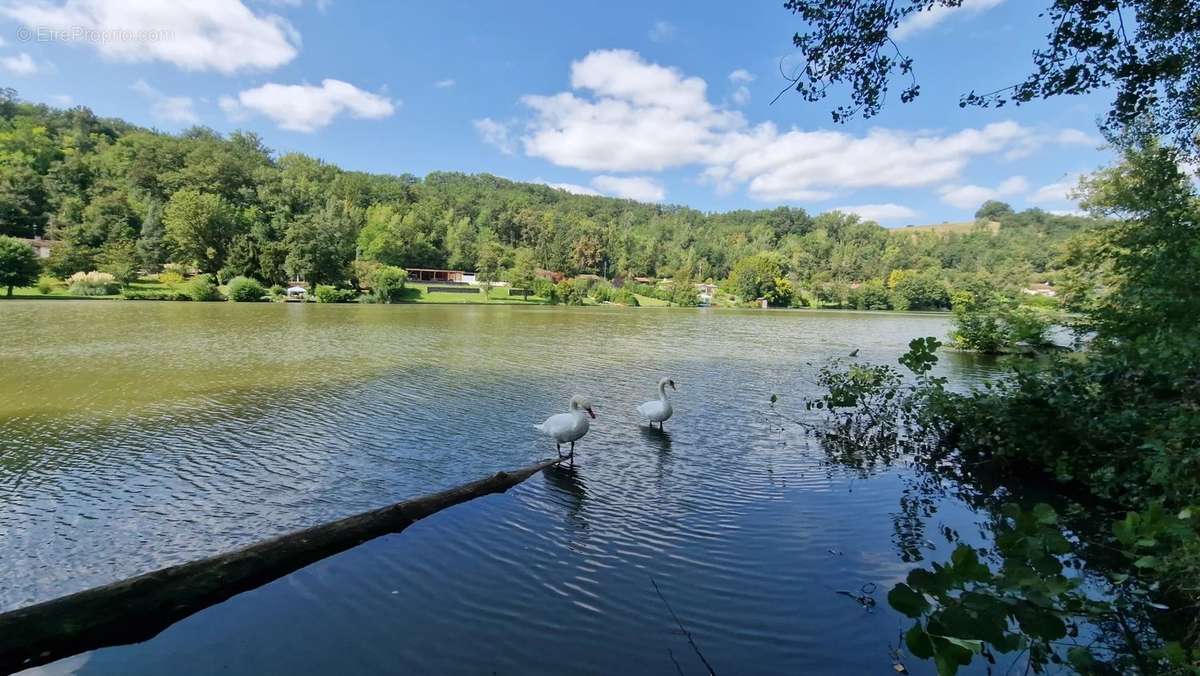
(387, 283)
(545, 288)
(624, 297)
(201, 288)
(92, 284)
(244, 290)
(332, 294)
(130, 293)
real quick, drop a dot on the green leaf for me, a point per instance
(908, 601)
(1080, 658)
(1045, 514)
(973, 645)
(918, 642)
(1146, 562)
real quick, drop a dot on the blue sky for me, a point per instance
(666, 101)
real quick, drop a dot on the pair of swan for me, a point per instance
(571, 426)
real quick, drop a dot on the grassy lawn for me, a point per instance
(498, 296)
(647, 301)
(60, 291)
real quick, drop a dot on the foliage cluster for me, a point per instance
(122, 199)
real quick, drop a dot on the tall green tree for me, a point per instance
(1147, 52)
(488, 265)
(320, 245)
(199, 228)
(523, 272)
(18, 264)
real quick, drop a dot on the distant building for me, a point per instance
(1040, 289)
(41, 247)
(551, 275)
(436, 276)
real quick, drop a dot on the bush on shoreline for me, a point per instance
(245, 290)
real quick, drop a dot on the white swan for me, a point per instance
(658, 410)
(568, 427)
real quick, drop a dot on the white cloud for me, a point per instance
(1057, 193)
(937, 13)
(971, 196)
(644, 117)
(1076, 137)
(880, 212)
(739, 77)
(173, 108)
(195, 35)
(640, 188)
(496, 134)
(624, 114)
(795, 164)
(22, 64)
(444, 84)
(662, 31)
(569, 187)
(307, 108)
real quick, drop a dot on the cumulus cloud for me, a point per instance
(196, 35)
(643, 117)
(971, 196)
(918, 22)
(444, 84)
(640, 188)
(1057, 193)
(22, 64)
(739, 77)
(1075, 137)
(572, 188)
(173, 108)
(496, 134)
(626, 115)
(880, 212)
(307, 108)
(662, 31)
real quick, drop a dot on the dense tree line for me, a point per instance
(122, 198)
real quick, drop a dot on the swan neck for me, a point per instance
(662, 391)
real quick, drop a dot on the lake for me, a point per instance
(139, 435)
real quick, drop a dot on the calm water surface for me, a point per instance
(139, 435)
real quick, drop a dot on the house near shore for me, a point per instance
(41, 247)
(437, 276)
(1040, 289)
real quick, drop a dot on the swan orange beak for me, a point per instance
(591, 412)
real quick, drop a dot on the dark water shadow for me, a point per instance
(656, 439)
(566, 483)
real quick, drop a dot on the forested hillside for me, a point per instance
(117, 194)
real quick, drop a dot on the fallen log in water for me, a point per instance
(139, 608)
